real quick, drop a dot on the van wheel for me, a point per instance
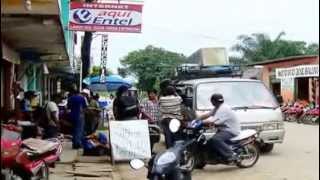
(266, 148)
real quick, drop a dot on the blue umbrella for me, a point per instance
(112, 83)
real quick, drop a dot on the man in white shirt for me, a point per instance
(52, 112)
(228, 125)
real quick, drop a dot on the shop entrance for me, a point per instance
(302, 89)
(276, 88)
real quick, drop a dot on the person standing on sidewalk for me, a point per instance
(52, 115)
(150, 107)
(94, 111)
(170, 108)
(77, 104)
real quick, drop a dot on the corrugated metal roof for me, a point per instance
(209, 80)
(283, 59)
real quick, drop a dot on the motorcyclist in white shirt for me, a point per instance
(227, 124)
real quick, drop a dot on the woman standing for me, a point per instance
(170, 108)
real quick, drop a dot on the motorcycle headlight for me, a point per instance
(270, 126)
(29, 154)
(166, 158)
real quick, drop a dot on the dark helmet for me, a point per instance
(121, 90)
(217, 98)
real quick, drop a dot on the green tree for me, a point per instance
(123, 72)
(312, 49)
(152, 64)
(258, 47)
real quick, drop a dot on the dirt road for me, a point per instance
(296, 159)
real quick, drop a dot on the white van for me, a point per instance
(251, 100)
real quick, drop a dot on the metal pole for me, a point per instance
(80, 84)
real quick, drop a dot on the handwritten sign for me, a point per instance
(130, 140)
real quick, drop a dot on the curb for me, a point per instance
(116, 174)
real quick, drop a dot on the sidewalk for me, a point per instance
(73, 165)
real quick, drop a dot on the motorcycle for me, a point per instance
(178, 162)
(22, 160)
(165, 165)
(155, 134)
(154, 129)
(293, 113)
(311, 116)
(199, 154)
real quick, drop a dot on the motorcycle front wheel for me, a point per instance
(179, 176)
(249, 156)
(155, 177)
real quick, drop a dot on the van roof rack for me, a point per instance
(195, 71)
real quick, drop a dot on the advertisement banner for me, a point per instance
(130, 140)
(105, 17)
(298, 71)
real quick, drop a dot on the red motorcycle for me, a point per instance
(27, 159)
(311, 116)
(292, 114)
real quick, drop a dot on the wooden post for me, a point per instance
(111, 151)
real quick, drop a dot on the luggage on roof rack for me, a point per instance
(195, 71)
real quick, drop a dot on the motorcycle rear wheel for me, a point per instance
(42, 174)
(249, 157)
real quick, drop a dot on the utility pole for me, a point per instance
(81, 77)
(85, 51)
(104, 58)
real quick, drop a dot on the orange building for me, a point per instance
(295, 78)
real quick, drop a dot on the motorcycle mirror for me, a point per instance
(174, 125)
(136, 164)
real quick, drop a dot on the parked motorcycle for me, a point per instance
(22, 160)
(294, 113)
(311, 116)
(178, 162)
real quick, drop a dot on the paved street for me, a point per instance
(296, 159)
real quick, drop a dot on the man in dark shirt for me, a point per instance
(77, 104)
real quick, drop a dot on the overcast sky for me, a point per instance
(186, 25)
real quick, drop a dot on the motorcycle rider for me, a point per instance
(227, 124)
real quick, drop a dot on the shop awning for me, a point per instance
(37, 31)
(9, 54)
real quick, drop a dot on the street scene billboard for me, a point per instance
(106, 17)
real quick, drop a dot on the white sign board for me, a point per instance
(130, 140)
(298, 71)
